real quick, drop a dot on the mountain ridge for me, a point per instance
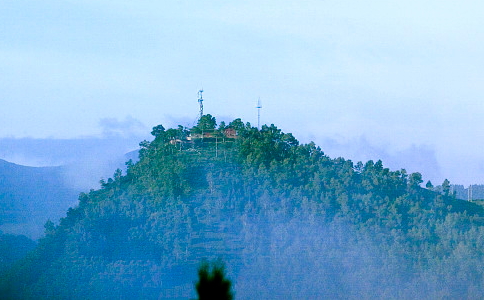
(30, 195)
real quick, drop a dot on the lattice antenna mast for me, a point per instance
(469, 193)
(259, 106)
(200, 101)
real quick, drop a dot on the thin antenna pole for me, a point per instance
(200, 101)
(259, 106)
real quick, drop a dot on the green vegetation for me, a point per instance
(288, 221)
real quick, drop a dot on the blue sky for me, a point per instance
(397, 80)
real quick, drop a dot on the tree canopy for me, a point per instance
(205, 123)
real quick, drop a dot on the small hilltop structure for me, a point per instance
(205, 131)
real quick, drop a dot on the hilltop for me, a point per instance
(289, 222)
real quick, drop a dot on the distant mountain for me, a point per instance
(57, 152)
(289, 221)
(29, 196)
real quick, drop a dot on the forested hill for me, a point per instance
(288, 221)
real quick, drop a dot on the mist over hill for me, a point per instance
(288, 221)
(85, 159)
(29, 196)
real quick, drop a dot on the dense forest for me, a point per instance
(288, 222)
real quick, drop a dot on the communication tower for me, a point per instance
(469, 193)
(200, 101)
(259, 106)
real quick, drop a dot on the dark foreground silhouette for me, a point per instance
(212, 284)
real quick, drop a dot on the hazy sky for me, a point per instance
(397, 80)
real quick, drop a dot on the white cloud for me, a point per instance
(125, 128)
